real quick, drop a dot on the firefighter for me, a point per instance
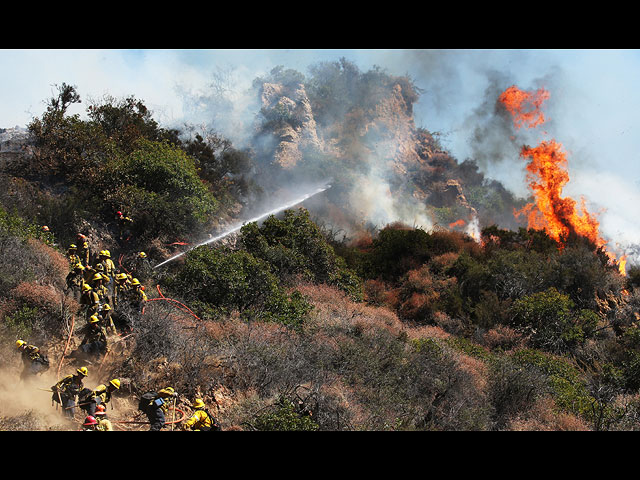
(142, 267)
(36, 362)
(98, 287)
(100, 396)
(104, 424)
(67, 389)
(84, 252)
(89, 301)
(137, 296)
(120, 288)
(124, 225)
(155, 406)
(109, 269)
(201, 420)
(95, 339)
(106, 320)
(72, 254)
(75, 280)
(90, 424)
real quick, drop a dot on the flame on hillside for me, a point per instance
(547, 175)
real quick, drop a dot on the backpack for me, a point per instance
(215, 427)
(145, 400)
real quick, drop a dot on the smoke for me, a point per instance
(18, 398)
(592, 110)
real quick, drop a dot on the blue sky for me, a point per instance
(593, 110)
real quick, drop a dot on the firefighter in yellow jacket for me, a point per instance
(201, 420)
(67, 389)
(89, 301)
(100, 396)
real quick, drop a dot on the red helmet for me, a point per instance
(89, 421)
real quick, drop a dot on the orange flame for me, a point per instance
(524, 106)
(622, 265)
(547, 175)
(457, 223)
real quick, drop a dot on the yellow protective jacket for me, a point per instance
(71, 384)
(102, 392)
(104, 425)
(198, 421)
(90, 300)
(109, 267)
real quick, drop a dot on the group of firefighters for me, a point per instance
(101, 290)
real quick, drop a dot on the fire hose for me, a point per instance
(67, 344)
(184, 307)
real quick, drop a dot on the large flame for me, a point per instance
(547, 175)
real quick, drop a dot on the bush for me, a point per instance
(295, 246)
(284, 417)
(158, 186)
(227, 281)
(548, 318)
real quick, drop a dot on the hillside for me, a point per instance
(408, 295)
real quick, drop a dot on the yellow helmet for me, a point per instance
(78, 266)
(167, 391)
(45, 228)
(20, 343)
(106, 253)
(198, 403)
(96, 277)
(106, 306)
(135, 281)
(121, 276)
(94, 319)
(100, 267)
(86, 287)
(83, 371)
(115, 382)
(72, 246)
(142, 255)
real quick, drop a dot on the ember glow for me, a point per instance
(547, 175)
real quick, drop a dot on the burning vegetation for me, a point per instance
(547, 176)
(443, 302)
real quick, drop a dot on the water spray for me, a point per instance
(238, 226)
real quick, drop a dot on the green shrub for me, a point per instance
(295, 246)
(228, 281)
(158, 186)
(548, 318)
(284, 418)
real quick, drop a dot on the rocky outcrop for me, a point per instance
(290, 117)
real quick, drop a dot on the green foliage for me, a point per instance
(285, 418)
(14, 225)
(396, 251)
(21, 322)
(159, 186)
(549, 318)
(295, 246)
(568, 387)
(126, 121)
(227, 281)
